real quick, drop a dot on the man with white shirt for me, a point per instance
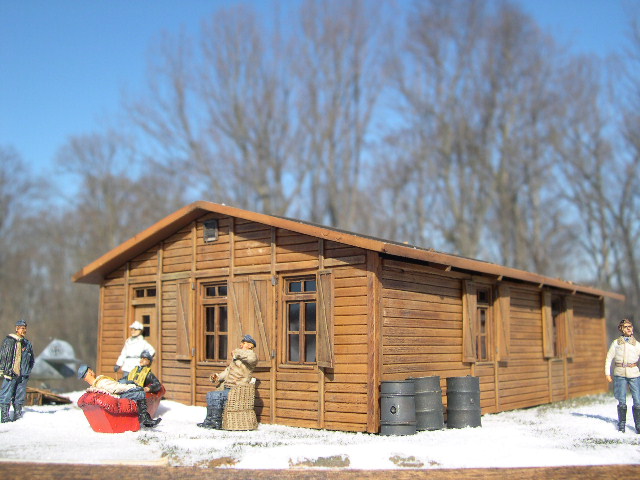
(625, 351)
(134, 345)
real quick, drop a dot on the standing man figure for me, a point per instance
(124, 390)
(16, 362)
(625, 351)
(237, 373)
(133, 347)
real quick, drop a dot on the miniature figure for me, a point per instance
(102, 383)
(16, 362)
(142, 375)
(625, 350)
(237, 373)
(133, 347)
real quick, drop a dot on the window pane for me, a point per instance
(310, 348)
(294, 348)
(295, 287)
(210, 291)
(151, 292)
(309, 285)
(223, 324)
(210, 319)
(140, 293)
(310, 317)
(222, 290)
(210, 347)
(483, 296)
(294, 317)
(222, 347)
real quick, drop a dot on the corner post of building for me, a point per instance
(374, 342)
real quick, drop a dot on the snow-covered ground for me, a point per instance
(579, 432)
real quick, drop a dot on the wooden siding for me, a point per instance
(112, 325)
(422, 336)
(176, 374)
(145, 264)
(178, 252)
(586, 370)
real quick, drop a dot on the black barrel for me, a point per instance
(429, 408)
(463, 402)
(397, 408)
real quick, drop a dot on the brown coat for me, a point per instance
(240, 369)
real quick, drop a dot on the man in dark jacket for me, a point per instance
(142, 375)
(16, 362)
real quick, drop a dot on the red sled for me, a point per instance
(108, 414)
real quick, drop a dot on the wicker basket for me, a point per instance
(238, 412)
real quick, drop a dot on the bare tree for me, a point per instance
(478, 108)
(269, 118)
(342, 47)
(20, 192)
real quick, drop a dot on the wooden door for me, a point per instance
(146, 315)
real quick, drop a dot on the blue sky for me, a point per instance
(64, 64)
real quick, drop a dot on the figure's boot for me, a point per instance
(622, 417)
(216, 418)
(143, 415)
(208, 421)
(636, 417)
(4, 413)
(17, 412)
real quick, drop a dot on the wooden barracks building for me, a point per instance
(335, 314)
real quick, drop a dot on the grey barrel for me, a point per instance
(397, 408)
(463, 402)
(429, 408)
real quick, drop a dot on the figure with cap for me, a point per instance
(102, 383)
(239, 372)
(623, 354)
(142, 375)
(133, 346)
(16, 363)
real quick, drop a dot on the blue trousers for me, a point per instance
(14, 391)
(218, 398)
(620, 389)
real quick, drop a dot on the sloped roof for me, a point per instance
(110, 261)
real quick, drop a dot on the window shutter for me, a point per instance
(324, 351)
(183, 341)
(547, 326)
(569, 327)
(469, 307)
(503, 322)
(238, 309)
(249, 308)
(259, 290)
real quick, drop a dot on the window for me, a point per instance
(482, 329)
(300, 300)
(146, 292)
(486, 324)
(210, 231)
(216, 321)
